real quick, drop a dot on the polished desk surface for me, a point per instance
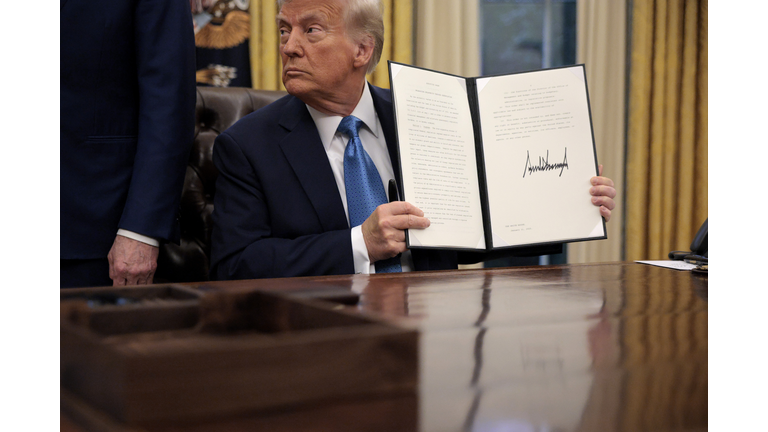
(593, 347)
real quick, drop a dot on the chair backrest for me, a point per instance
(217, 109)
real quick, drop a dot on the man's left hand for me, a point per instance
(603, 193)
(132, 262)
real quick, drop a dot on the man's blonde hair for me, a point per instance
(363, 18)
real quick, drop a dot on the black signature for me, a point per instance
(544, 164)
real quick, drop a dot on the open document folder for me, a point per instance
(496, 162)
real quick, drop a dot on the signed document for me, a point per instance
(496, 162)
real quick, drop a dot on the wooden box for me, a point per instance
(175, 353)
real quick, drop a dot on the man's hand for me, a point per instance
(383, 230)
(603, 193)
(132, 262)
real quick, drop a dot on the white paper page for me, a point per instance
(437, 154)
(539, 157)
(677, 265)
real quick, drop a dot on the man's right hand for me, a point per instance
(132, 262)
(383, 231)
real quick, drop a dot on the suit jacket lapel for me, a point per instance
(382, 102)
(304, 150)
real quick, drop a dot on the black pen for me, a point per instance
(393, 196)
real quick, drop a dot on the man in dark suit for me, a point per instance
(284, 205)
(127, 123)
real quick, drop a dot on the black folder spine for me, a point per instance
(474, 109)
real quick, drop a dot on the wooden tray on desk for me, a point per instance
(132, 309)
(241, 352)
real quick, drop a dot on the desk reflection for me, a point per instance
(576, 349)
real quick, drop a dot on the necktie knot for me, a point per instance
(349, 126)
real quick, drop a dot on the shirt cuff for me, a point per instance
(360, 251)
(144, 239)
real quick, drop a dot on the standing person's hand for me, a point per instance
(132, 262)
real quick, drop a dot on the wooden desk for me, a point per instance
(599, 347)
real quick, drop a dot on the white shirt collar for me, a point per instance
(327, 124)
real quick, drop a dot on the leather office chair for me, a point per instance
(216, 110)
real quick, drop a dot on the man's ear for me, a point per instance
(364, 52)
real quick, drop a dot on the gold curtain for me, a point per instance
(398, 39)
(448, 36)
(667, 138)
(265, 57)
(601, 46)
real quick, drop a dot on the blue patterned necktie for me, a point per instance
(365, 191)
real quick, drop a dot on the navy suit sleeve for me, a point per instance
(249, 242)
(165, 62)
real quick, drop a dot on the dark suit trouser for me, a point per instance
(79, 273)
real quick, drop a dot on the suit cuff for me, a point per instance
(142, 238)
(360, 251)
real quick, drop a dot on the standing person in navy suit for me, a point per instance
(281, 204)
(127, 124)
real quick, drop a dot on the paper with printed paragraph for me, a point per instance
(534, 134)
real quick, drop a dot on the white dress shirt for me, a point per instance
(374, 143)
(138, 237)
